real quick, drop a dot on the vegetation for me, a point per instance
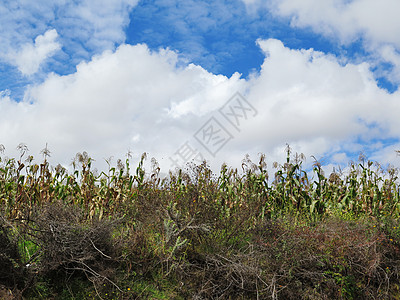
(197, 235)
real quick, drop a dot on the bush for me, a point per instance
(72, 246)
(12, 270)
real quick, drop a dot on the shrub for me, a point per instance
(71, 246)
(12, 270)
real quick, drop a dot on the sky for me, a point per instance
(190, 80)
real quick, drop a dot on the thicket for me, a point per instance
(195, 234)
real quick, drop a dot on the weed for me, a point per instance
(239, 234)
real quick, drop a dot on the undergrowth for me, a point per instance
(239, 234)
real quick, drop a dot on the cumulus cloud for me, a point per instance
(375, 23)
(31, 56)
(146, 101)
(318, 105)
(127, 99)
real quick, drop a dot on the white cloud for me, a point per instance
(373, 22)
(31, 56)
(145, 101)
(316, 104)
(101, 23)
(340, 158)
(84, 28)
(376, 21)
(119, 100)
(252, 5)
(389, 54)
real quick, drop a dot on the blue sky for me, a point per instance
(221, 35)
(109, 76)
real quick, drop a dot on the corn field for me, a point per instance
(241, 234)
